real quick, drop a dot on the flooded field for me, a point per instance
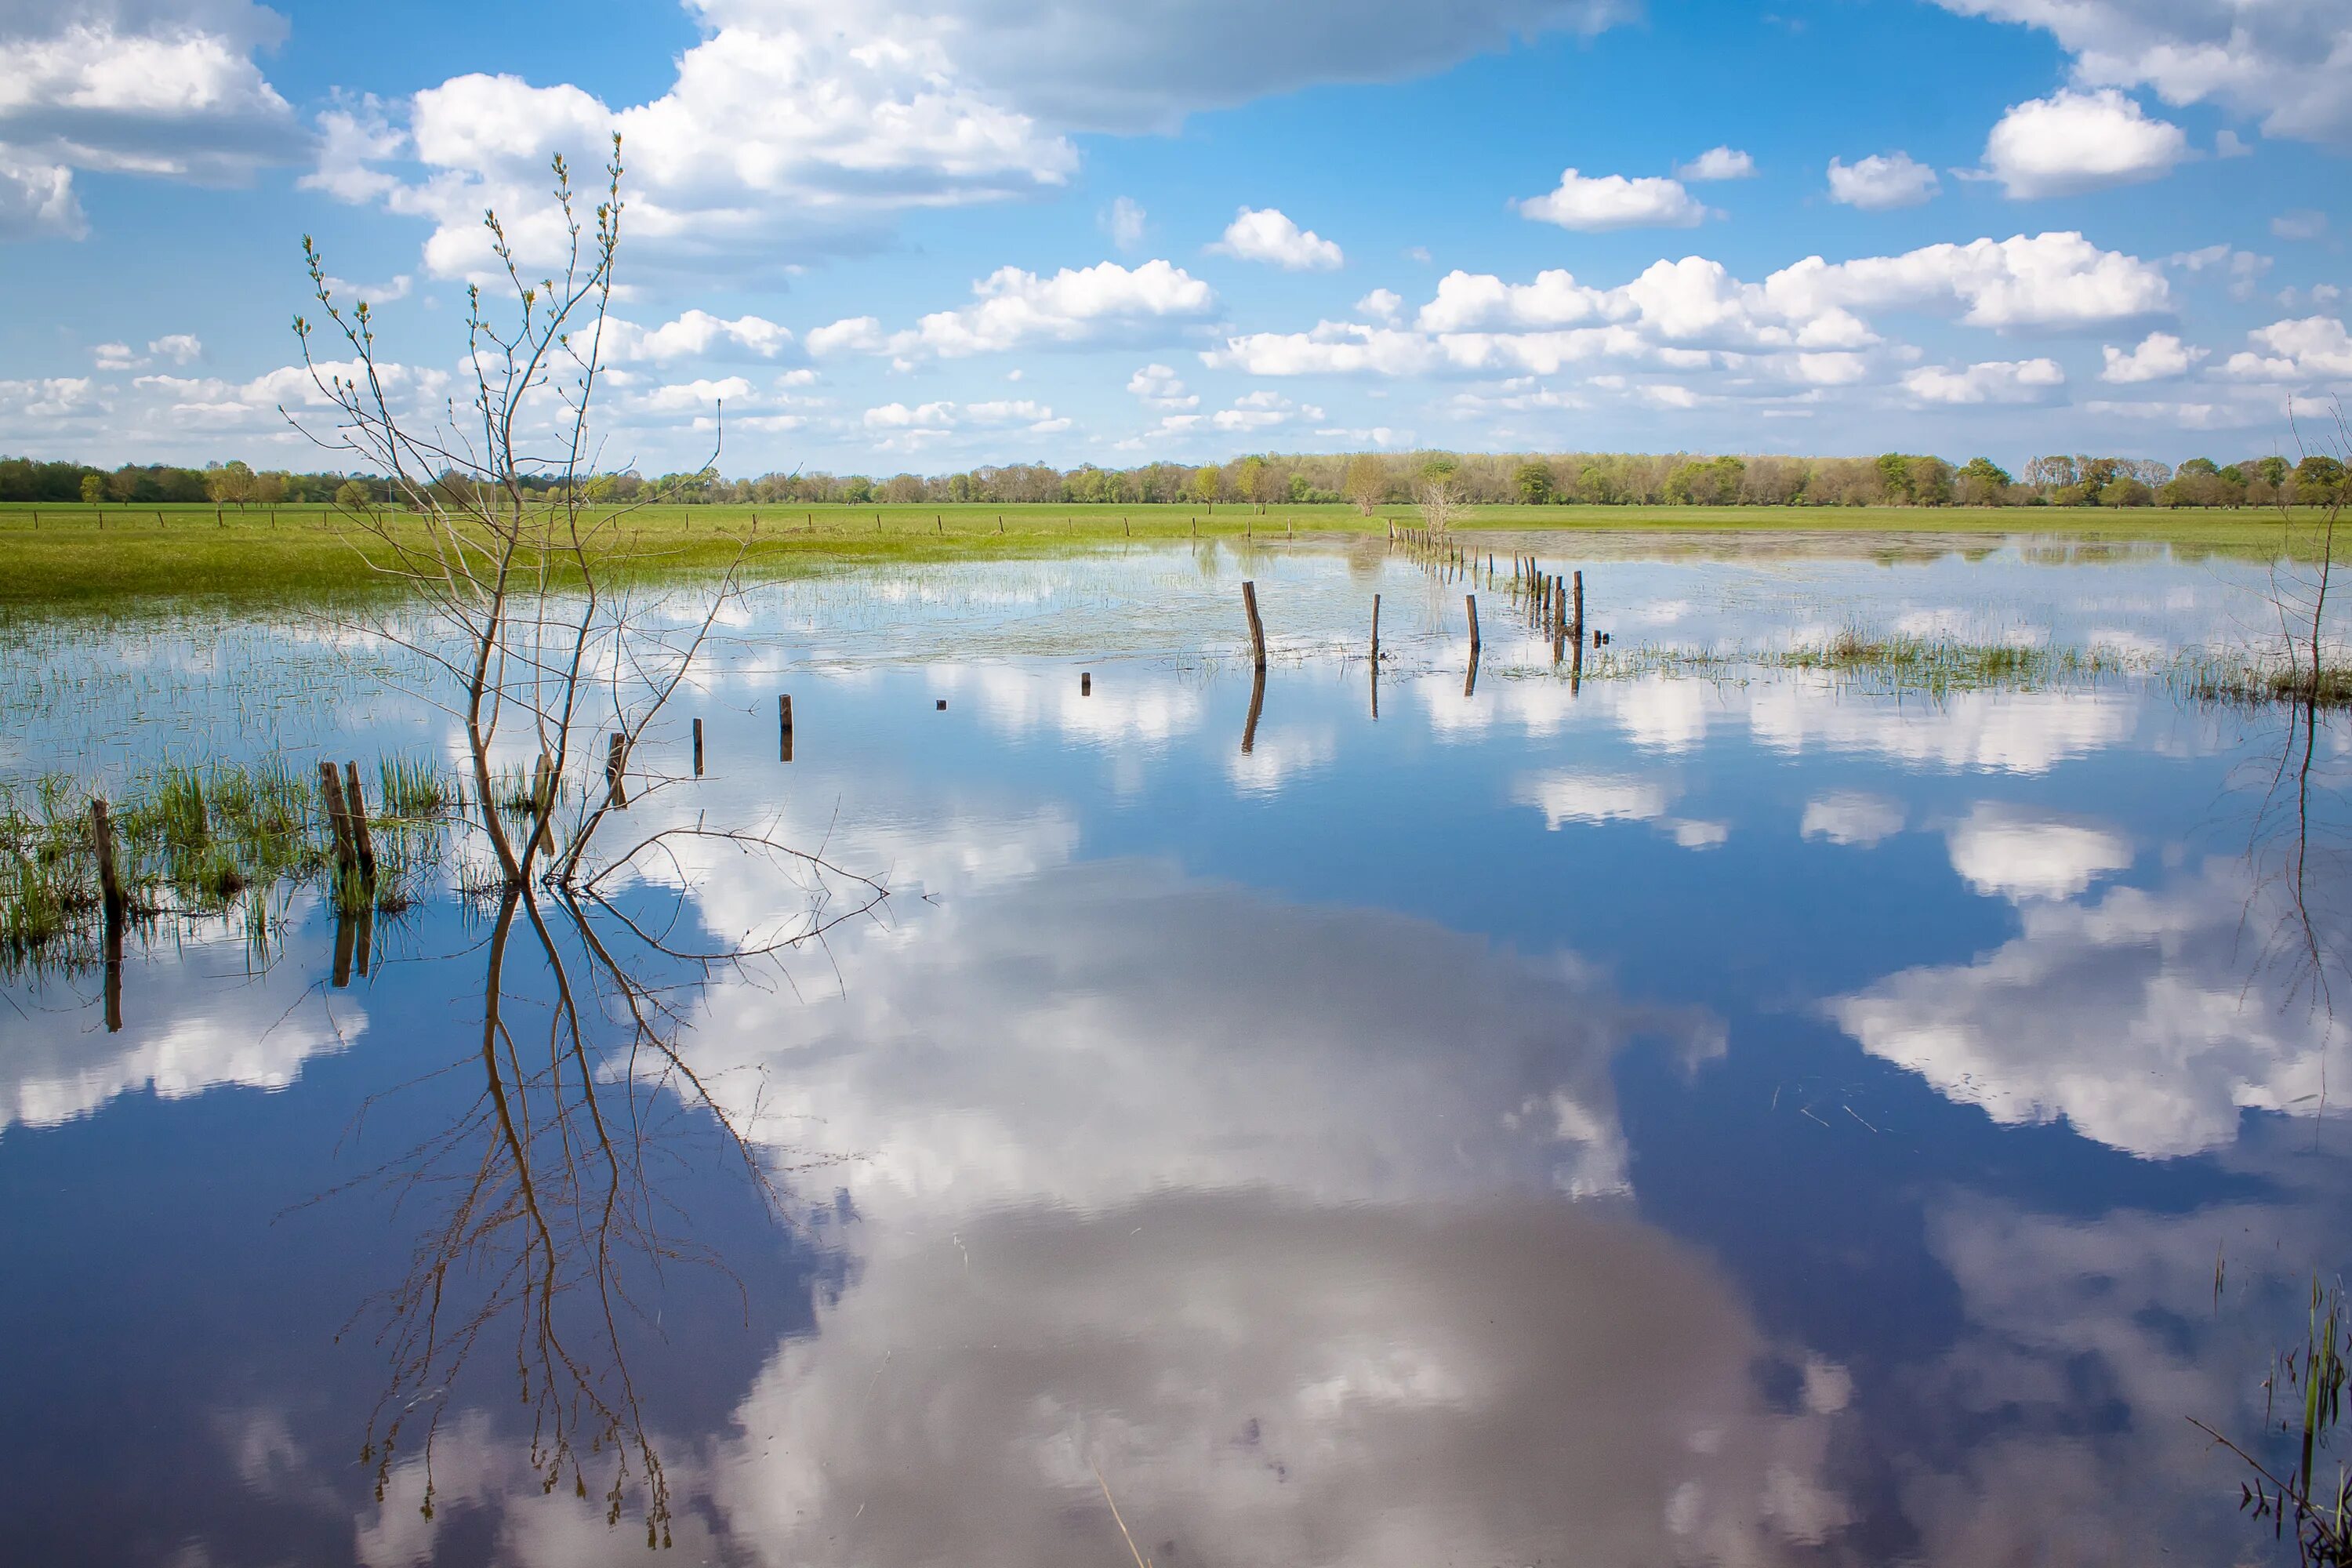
(1840, 1071)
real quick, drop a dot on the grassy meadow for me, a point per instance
(64, 554)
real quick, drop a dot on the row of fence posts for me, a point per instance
(1552, 603)
(354, 898)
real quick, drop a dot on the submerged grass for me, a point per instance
(62, 555)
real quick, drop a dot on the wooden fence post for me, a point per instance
(362, 842)
(109, 875)
(1470, 602)
(331, 789)
(1257, 627)
(784, 725)
(698, 748)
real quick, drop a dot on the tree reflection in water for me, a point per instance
(547, 1219)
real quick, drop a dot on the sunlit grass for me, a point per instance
(1941, 665)
(196, 840)
(307, 552)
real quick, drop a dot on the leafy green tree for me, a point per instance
(353, 496)
(1251, 478)
(1712, 482)
(1534, 482)
(231, 484)
(1894, 478)
(1206, 482)
(1931, 480)
(2317, 479)
(1366, 482)
(1983, 482)
(93, 489)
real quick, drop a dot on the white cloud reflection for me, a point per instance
(2143, 1019)
(2016, 854)
(195, 1016)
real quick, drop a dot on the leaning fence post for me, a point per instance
(1257, 627)
(361, 841)
(331, 789)
(616, 763)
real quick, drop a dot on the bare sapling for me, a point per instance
(542, 626)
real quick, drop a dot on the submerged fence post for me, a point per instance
(616, 763)
(1257, 627)
(1085, 683)
(1470, 602)
(1375, 636)
(363, 843)
(698, 748)
(784, 725)
(1579, 608)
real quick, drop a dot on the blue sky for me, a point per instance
(927, 234)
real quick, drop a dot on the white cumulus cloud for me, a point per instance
(2159, 357)
(1266, 234)
(2283, 62)
(2076, 141)
(2312, 349)
(1597, 202)
(1992, 381)
(1015, 309)
(1881, 181)
(1717, 163)
(1159, 386)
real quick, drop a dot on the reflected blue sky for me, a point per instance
(1715, 1113)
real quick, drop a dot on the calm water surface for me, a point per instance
(1711, 1112)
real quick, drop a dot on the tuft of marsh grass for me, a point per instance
(412, 789)
(1941, 665)
(196, 840)
(2249, 680)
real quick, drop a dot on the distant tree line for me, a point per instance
(1367, 479)
(220, 484)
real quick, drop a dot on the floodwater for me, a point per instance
(1708, 1112)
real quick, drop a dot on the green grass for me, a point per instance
(2236, 679)
(192, 840)
(53, 554)
(1939, 666)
